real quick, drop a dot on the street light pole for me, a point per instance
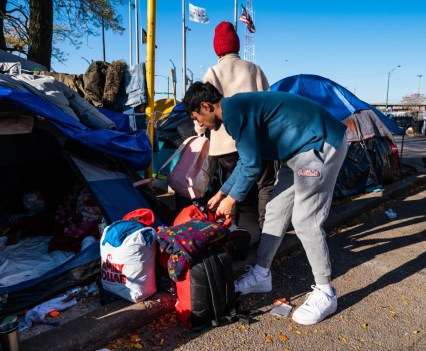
(192, 76)
(168, 83)
(418, 95)
(418, 89)
(387, 91)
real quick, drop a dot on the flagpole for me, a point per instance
(130, 34)
(183, 50)
(137, 31)
(235, 14)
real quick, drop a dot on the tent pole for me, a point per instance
(402, 145)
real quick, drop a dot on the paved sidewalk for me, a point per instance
(97, 328)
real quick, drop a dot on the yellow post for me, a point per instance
(150, 74)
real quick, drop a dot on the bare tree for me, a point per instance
(40, 32)
(413, 102)
(26, 25)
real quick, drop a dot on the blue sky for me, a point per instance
(354, 43)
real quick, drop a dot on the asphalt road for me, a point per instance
(380, 275)
(413, 148)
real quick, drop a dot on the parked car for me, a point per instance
(404, 122)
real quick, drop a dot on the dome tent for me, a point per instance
(337, 100)
(372, 156)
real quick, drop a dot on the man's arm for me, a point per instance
(246, 133)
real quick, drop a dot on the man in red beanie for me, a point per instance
(233, 75)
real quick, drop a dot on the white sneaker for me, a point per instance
(316, 307)
(252, 282)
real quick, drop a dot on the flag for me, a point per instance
(246, 18)
(198, 14)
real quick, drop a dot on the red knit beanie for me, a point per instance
(225, 39)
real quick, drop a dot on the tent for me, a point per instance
(337, 100)
(44, 148)
(372, 155)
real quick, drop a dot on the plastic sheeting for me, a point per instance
(177, 127)
(133, 147)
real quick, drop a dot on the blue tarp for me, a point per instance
(133, 147)
(337, 100)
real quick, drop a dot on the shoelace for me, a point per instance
(316, 297)
(247, 270)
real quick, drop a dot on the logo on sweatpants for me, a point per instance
(308, 173)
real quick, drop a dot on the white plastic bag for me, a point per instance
(128, 260)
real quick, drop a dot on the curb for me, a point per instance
(94, 330)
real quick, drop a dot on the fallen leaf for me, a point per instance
(268, 340)
(343, 338)
(416, 331)
(315, 330)
(242, 327)
(133, 337)
(283, 337)
(137, 346)
(364, 325)
(298, 332)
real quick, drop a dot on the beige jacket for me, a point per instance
(231, 75)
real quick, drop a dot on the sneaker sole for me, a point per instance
(311, 322)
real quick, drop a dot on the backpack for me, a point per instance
(238, 239)
(193, 172)
(198, 211)
(206, 295)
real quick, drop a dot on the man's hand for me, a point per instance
(226, 207)
(215, 200)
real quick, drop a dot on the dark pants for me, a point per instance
(265, 184)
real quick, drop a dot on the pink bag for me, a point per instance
(193, 173)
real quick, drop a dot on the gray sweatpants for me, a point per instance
(302, 194)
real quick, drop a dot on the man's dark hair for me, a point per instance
(200, 92)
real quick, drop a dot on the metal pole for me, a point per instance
(173, 86)
(168, 86)
(235, 14)
(150, 73)
(130, 34)
(387, 94)
(137, 30)
(192, 75)
(183, 50)
(103, 37)
(418, 96)
(173, 75)
(418, 89)
(387, 90)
